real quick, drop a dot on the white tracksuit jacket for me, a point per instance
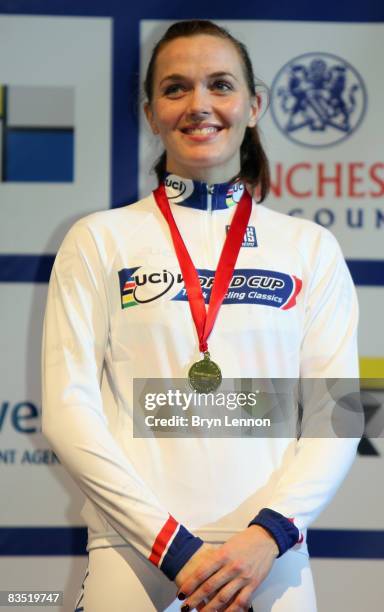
(116, 311)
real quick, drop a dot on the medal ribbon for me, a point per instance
(204, 320)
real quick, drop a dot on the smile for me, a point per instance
(201, 131)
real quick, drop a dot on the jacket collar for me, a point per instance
(202, 196)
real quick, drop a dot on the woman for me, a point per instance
(216, 524)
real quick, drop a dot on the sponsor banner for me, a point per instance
(348, 584)
(371, 337)
(29, 467)
(54, 102)
(358, 503)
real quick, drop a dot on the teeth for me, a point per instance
(205, 130)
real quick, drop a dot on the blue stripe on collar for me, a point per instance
(202, 196)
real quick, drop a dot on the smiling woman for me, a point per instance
(202, 101)
(196, 522)
(201, 111)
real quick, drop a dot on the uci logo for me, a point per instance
(234, 194)
(177, 189)
(151, 286)
(143, 285)
(318, 99)
(176, 185)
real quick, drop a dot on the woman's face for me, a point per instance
(201, 107)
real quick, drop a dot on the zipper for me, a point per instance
(210, 229)
(210, 190)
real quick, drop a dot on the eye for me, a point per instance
(174, 89)
(222, 85)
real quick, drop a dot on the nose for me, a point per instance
(199, 103)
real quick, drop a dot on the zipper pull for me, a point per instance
(210, 192)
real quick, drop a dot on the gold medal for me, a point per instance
(205, 375)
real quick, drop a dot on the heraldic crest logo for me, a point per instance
(318, 99)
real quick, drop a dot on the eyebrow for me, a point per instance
(178, 77)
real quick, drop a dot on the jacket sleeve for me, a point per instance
(329, 437)
(76, 329)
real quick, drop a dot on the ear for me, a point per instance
(254, 111)
(149, 115)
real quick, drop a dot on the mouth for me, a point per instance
(201, 130)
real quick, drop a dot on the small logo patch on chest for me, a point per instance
(250, 239)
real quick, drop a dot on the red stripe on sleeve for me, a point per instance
(301, 538)
(162, 540)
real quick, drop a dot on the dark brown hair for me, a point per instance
(254, 166)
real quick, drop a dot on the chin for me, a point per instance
(204, 161)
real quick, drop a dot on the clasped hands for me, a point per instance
(226, 577)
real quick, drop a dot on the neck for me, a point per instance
(210, 176)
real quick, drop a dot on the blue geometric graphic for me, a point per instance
(39, 155)
(37, 134)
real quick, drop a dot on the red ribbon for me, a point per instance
(204, 320)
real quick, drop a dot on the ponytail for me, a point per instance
(254, 164)
(160, 167)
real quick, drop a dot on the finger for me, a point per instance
(243, 601)
(224, 597)
(200, 576)
(207, 590)
(201, 606)
(229, 603)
